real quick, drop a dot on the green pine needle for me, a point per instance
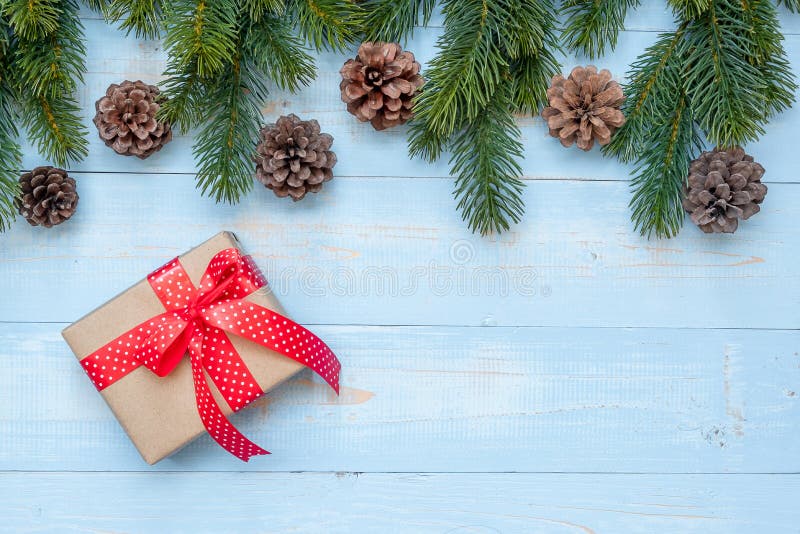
(225, 143)
(689, 9)
(279, 53)
(462, 78)
(10, 155)
(649, 94)
(54, 123)
(661, 172)
(33, 19)
(257, 9)
(328, 24)
(722, 85)
(791, 5)
(592, 26)
(394, 20)
(485, 153)
(200, 34)
(142, 17)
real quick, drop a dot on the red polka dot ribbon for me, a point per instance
(196, 320)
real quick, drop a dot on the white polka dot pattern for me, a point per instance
(197, 320)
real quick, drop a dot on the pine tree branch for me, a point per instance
(33, 19)
(462, 78)
(791, 5)
(532, 49)
(53, 122)
(328, 24)
(592, 26)
(201, 35)
(649, 94)
(689, 9)
(767, 54)
(10, 152)
(142, 17)
(722, 86)
(279, 54)
(224, 144)
(257, 9)
(661, 171)
(485, 153)
(394, 20)
(47, 70)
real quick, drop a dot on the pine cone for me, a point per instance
(724, 186)
(126, 119)
(584, 107)
(48, 196)
(379, 84)
(293, 157)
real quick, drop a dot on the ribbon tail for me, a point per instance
(217, 425)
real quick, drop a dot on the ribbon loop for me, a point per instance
(197, 319)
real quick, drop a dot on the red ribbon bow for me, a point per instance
(196, 320)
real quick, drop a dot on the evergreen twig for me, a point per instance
(594, 25)
(142, 17)
(394, 20)
(328, 24)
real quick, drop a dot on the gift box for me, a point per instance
(198, 339)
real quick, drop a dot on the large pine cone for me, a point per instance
(48, 196)
(724, 186)
(293, 158)
(380, 83)
(584, 107)
(126, 119)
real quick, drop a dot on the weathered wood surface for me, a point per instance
(567, 376)
(453, 503)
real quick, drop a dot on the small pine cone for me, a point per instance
(126, 119)
(293, 158)
(380, 83)
(48, 196)
(584, 107)
(723, 187)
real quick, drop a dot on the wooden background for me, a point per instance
(566, 376)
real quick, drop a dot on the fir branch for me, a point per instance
(142, 17)
(485, 153)
(279, 54)
(53, 65)
(767, 54)
(99, 6)
(689, 9)
(54, 123)
(201, 35)
(224, 145)
(394, 20)
(594, 25)
(47, 70)
(182, 107)
(328, 24)
(661, 171)
(791, 5)
(257, 9)
(532, 46)
(649, 94)
(462, 78)
(722, 86)
(33, 19)
(10, 152)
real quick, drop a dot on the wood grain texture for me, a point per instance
(567, 376)
(394, 251)
(387, 503)
(455, 399)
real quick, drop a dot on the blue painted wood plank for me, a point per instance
(362, 151)
(394, 251)
(454, 399)
(435, 503)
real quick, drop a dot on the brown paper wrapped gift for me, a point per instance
(159, 413)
